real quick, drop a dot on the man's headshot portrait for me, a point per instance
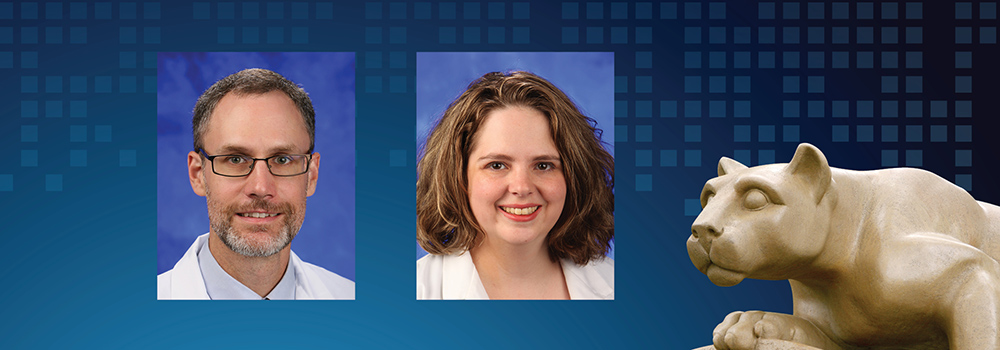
(241, 141)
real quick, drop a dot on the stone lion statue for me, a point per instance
(885, 259)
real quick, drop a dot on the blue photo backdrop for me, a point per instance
(872, 84)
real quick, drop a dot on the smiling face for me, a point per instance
(516, 184)
(257, 214)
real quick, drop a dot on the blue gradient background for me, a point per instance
(81, 226)
(586, 77)
(327, 234)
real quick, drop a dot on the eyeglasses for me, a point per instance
(234, 165)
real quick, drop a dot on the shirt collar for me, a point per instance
(220, 285)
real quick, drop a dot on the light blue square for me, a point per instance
(914, 158)
(29, 109)
(963, 158)
(914, 59)
(866, 59)
(866, 133)
(77, 158)
(963, 10)
(765, 35)
(963, 133)
(717, 84)
(692, 109)
(716, 109)
(914, 84)
(151, 10)
(939, 133)
(963, 84)
(397, 158)
(644, 10)
(643, 109)
(619, 35)
(644, 35)
(790, 10)
(53, 183)
(127, 84)
(840, 10)
(201, 10)
(397, 35)
(226, 35)
(127, 35)
(668, 158)
(373, 10)
(866, 109)
(866, 35)
(78, 35)
(741, 59)
(373, 35)
(446, 10)
(890, 109)
(890, 59)
(963, 35)
(6, 182)
(570, 35)
(300, 10)
(126, 158)
(643, 158)
(741, 35)
(790, 109)
(421, 10)
(251, 10)
(717, 10)
(471, 10)
(790, 35)
(963, 109)
(521, 10)
(840, 59)
(890, 10)
(765, 156)
(790, 59)
(890, 158)
(939, 109)
(988, 10)
(866, 10)
(621, 133)
(77, 133)
(570, 10)
(496, 35)
(29, 133)
(815, 10)
(964, 181)
(29, 84)
(668, 109)
(890, 85)
(765, 10)
(963, 59)
(988, 35)
(692, 59)
(643, 182)
(815, 109)
(914, 109)
(643, 133)
(692, 133)
(692, 35)
(816, 84)
(53, 109)
(446, 35)
(373, 84)
(595, 10)
(742, 156)
(839, 109)
(765, 133)
(300, 35)
(741, 133)
(890, 133)
(741, 109)
(717, 35)
(521, 35)
(816, 35)
(595, 35)
(790, 84)
(914, 10)
(29, 35)
(621, 84)
(717, 59)
(621, 109)
(692, 10)
(765, 59)
(397, 84)
(692, 157)
(741, 84)
(914, 133)
(29, 158)
(692, 84)
(643, 59)
(275, 35)
(890, 35)
(914, 35)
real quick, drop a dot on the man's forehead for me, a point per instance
(255, 123)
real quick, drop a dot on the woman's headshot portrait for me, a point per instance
(515, 196)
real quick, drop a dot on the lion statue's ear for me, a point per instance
(727, 166)
(810, 164)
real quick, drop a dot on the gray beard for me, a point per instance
(221, 224)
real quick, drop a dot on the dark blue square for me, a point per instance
(643, 109)
(692, 157)
(397, 35)
(595, 35)
(866, 10)
(595, 10)
(446, 35)
(914, 133)
(717, 84)
(963, 10)
(890, 133)
(643, 182)
(815, 109)
(964, 181)
(692, 84)
(963, 84)
(275, 35)
(78, 84)
(692, 10)
(816, 59)
(988, 35)
(963, 59)
(300, 10)
(914, 109)
(914, 85)
(939, 133)
(397, 84)
(619, 10)
(570, 10)
(790, 10)
(765, 156)
(692, 109)
(890, 59)
(741, 59)
(890, 10)
(717, 10)
(422, 10)
(692, 35)
(790, 84)
(790, 133)
(717, 109)
(251, 10)
(521, 35)
(741, 35)
(200, 10)
(765, 133)
(817, 35)
(643, 158)
(496, 35)
(890, 158)
(471, 35)
(397, 10)
(644, 35)
(668, 109)
(963, 35)
(53, 10)
(741, 84)
(866, 59)
(692, 133)
(621, 84)
(643, 133)
(914, 158)
(790, 59)
(102, 10)
(251, 35)
(890, 109)
(963, 133)
(866, 133)
(914, 10)
(643, 84)
(471, 10)
(790, 35)
(570, 35)
(29, 35)
(866, 35)
(765, 35)
(373, 35)
(668, 157)
(496, 10)
(692, 59)
(29, 10)
(717, 35)
(643, 59)
(890, 85)
(815, 10)
(741, 133)
(373, 10)
(914, 35)
(765, 59)
(621, 109)
(373, 84)
(521, 10)
(765, 10)
(839, 109)
(890, 35)
(988, 10)
(790, 109)
(963, 109)
(446, 10)
(841, 35)
(300, 35)
(717, 59)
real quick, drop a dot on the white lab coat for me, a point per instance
(455, 277)
(185, 281)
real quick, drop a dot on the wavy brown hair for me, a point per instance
(445, 223)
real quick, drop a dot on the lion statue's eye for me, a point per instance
(755, 199)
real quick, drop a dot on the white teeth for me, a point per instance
(256, 215)
(520, 211)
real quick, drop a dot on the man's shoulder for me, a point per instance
(320, 283)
